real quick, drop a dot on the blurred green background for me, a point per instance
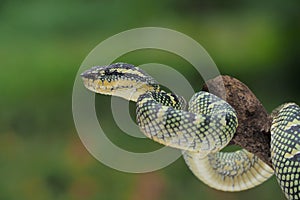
(42, 44)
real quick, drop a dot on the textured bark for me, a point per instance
(253, 132)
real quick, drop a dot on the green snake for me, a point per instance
(202, 128)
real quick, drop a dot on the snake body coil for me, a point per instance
(202, 130)
(191, 131)
(285, 149)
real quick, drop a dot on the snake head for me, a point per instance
(119, 79)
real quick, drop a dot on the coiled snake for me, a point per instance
(203, 129)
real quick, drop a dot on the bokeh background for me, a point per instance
(42, 44)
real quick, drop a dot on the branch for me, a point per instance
(253, 132)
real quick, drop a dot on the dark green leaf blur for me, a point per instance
(42, 45)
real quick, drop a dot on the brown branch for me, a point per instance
(253, 132)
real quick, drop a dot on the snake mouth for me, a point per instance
(96, 85)
(125, 90)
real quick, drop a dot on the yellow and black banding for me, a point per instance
(285, 149)
(203, 129)
(160, 117)
(226, 171)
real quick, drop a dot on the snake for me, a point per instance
(285, 148)
(202, 127)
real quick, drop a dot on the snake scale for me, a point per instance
(202, 127)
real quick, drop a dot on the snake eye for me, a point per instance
(108, 72)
